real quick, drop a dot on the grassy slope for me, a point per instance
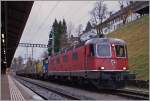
(136, 34)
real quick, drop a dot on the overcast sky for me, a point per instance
(43, 14)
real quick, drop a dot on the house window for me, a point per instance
(112, 21)
(105, 30)
(116, 20)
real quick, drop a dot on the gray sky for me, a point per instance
(43, 14)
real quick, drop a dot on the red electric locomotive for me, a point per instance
(102, 61)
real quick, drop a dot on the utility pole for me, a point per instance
(32, 53)
(27, 54)
(28, 45)
(32, 56)
(52, 37)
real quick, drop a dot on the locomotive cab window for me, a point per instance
(92, 50)
(103, 50)
(120, 50)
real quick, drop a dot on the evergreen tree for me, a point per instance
(50, 44)
(64, 27)
(88, 27)
(53, 32)
(60, 28)
(57, 37)
(59, 31)
(63, 39)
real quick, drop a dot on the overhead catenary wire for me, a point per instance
(35, 16)
(47, 17)
(46, 20)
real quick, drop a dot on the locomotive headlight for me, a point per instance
(124, 68)
(102, 68)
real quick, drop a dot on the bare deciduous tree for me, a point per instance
(14, 61)
(20, 60)
(98, 14)
(45, 54)
(29, 62)
(70, 27)
(123, 3)
(79, 29)
(15, 64)
(126, 11)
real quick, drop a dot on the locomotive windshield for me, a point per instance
(103, 50)
(120, 50)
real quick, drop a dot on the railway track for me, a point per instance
(124, 93)
(58, 94)
(132, 94)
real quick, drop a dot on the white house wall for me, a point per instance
(117, 23)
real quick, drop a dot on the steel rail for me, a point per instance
(131, 94)
(22, 82)
(48, 88)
